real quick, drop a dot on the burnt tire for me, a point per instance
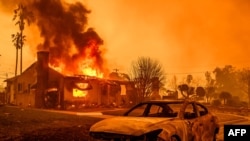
(174, 138)
(214, 138)
(215, 134)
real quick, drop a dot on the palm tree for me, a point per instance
(22, 14)
(15, 40)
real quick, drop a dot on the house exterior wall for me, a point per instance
(93, 96)
(22, 89)
(10, 90)
(101, 93)
(56, 80)
(23, 94)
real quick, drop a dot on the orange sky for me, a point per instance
(185, 36)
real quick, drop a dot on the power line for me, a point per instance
(200, 72)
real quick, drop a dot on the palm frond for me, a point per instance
(17, 23)
(14, 17)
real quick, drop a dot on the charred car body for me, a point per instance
(163, 120)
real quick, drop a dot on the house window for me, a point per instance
(79, 93)
(29, 86)
(19, 87)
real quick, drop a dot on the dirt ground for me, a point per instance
(19, 124)
(27, 124)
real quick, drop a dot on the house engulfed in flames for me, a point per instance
(41, 86)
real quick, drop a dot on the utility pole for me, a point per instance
(6, 91)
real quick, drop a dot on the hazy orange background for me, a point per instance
(186, 36)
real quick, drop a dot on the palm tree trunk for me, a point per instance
(21, 52)
(21, 60)
(16, 61)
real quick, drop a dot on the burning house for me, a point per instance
(41, 86)
(73, 68)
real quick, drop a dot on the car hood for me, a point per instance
(135, 126)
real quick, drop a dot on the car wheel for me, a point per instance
(214, 139)
(174, 138)
(215, 134)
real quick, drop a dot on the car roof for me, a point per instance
(167, 101)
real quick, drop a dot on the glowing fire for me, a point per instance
(82, 69)
(79, 93)
(86, 63)
(91, 72)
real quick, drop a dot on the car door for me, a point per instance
(190, 115)
(206, 125)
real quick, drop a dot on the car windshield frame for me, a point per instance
(179, 113)
(148, 105)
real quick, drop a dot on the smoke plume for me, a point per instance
(63, 27)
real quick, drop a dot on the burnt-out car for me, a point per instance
(161, 120)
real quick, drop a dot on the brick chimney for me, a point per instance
(42, 77)
(155, 88)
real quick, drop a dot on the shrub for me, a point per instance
(216, 102)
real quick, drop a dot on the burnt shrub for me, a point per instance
(243, 104)
(216, 102)
(236, 102)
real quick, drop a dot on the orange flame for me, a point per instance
(79, 93)
(86, 64)
(81, 70)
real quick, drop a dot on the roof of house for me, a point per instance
(31, 66)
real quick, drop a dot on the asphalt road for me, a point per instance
(241, 120)
(223, 118)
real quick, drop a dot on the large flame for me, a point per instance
(73, 45)
(86, 63)
(92, 72)
(85, 69)
(79, 93)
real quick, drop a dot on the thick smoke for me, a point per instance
(63, 27)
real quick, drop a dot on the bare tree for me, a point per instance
(189, 79)
(20, 15)
(173, 83)
(143, 71)
(210, 86)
